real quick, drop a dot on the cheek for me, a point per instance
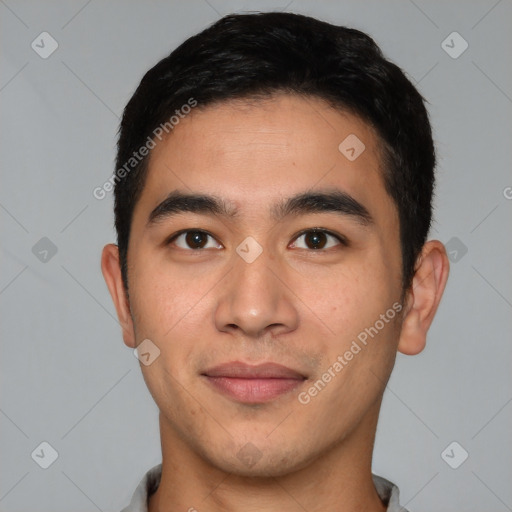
(347, 298)
(165, 297)
(173, 308)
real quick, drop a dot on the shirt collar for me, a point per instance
(387, 491)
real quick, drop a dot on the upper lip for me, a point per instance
(237, 369)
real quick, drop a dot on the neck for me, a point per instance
(338, 480)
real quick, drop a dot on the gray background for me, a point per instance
(66, 376)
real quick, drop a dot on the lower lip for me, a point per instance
(253, 390)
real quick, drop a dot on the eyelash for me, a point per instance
(341, 239)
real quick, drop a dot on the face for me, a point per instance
(290, 256)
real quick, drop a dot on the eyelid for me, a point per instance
(174, 236)
(342, 239)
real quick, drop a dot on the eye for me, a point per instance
(195, 240)
(316, 239)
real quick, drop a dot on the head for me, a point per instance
(297, 142)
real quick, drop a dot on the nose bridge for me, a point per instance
(254, 289)
(255, 277)
(254, 298)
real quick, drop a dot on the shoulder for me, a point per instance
(147, 486)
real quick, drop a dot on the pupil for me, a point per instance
(315, 240)
(195, 239)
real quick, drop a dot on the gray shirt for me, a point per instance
(387, 491)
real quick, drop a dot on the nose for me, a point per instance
(255, 299)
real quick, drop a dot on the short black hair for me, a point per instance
(260, 54)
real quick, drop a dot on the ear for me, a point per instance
(111, 269)
(423, 297)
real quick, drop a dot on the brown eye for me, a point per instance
(315, 239)
(195, 240)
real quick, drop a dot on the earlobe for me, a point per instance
(424, 297)
(111, 269)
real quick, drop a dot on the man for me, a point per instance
(272, 200)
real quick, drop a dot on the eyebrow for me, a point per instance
(331, 201)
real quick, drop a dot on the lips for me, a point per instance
(253, 384)
(261, 371)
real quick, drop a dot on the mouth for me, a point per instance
(253, 384)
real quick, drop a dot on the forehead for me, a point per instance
(253, 152)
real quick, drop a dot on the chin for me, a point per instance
(269, 462)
